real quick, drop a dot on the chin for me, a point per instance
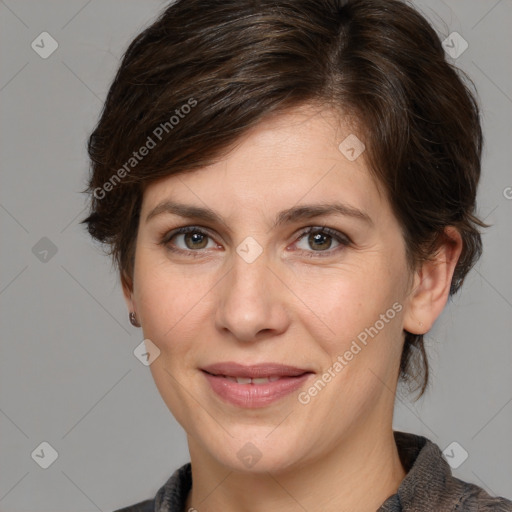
(255, 454)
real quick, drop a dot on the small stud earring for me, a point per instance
(133, 319)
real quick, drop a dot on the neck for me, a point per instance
(359, 474)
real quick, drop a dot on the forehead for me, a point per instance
(285, 160)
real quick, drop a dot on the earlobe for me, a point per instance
(127, 286)
(432, 282)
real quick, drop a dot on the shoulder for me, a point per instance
(143, 506)
(430, 485)
(475, 498)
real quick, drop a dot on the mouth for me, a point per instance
(259, 372)
(247, 380)
(256, 385)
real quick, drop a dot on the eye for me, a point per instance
(322, 240)
(316, 241)
(187, 239)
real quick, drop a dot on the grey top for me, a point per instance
(427, 487)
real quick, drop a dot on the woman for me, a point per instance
(288, 188)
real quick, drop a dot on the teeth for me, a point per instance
(261, 381)
(247, 380)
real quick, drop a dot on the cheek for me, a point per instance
(340, 304)
(360, 337)
(172, 308)
(168, 301)
(360, 330)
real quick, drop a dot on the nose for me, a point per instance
(252, 301)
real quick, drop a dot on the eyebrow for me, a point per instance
(290, 215)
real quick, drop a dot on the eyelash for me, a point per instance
(342, 239)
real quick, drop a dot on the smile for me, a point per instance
(247, 380)
(254, 386)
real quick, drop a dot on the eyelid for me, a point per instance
(168, 235)
(340, 237)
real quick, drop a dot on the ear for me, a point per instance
(127, 285)
(432, 282)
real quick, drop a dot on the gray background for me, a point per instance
(67, 369)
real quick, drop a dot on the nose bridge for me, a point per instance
(249, 301)
(249, 276)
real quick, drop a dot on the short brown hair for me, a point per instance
(235, 62)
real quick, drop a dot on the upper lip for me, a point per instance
(231, 369)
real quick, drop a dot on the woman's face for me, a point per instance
(247, 285)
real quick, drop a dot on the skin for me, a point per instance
(295, 304)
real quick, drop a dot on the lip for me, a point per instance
(255, 371)
(252, 395)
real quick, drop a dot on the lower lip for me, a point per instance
(252, 396)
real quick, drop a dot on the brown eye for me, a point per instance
(188, 239)
(319, 241)
(195, 240)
